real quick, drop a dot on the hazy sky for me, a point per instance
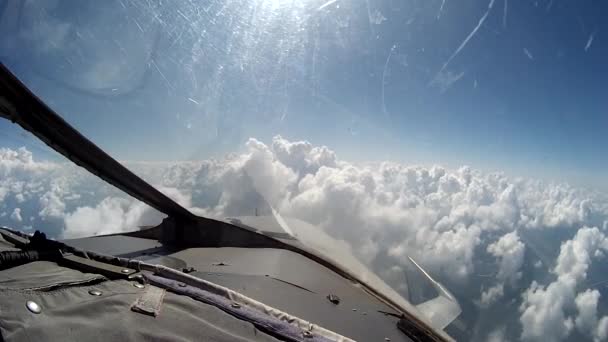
(517, 86)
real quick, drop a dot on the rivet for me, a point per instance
(181, 284)
(137, 277)
(387, 339)
(354, 309)
(33, 307)
(235, 305)
(307, 334)
(125, 270)
(95, 292)
(138, 285)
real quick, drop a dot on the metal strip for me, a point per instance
(15, 239)
(276, 326)
(180, 282)
(88, 265)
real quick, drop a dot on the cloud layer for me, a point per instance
(472, 230)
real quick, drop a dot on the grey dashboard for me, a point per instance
(277, 277)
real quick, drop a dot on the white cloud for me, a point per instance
(543, 317)
(270, 177)
(491, 295)
(181, 198)
(445, 219)
(110, 216)
(497, 335)
(543, 310)
(510, 253)
(52, 204)
(601, 332)
(20, 160)
(301, 156)
(576, 254)
(586, 305)
(20, 198)
(586, 320)
(16, 215)
(510, 250)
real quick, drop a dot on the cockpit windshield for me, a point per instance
(466, 137)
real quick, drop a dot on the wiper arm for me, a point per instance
(20, 105)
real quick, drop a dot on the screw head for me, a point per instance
(137, 277)
(95, 292)
(33, 307)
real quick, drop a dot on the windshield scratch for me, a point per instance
(326, 4)
(465, 41)
(589, 41)
(139, 26)
(162, 75)
(440, 9)
(504, 15)
(388, 59)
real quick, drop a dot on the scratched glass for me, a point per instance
(467, 135)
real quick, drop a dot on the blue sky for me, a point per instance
(525, 94)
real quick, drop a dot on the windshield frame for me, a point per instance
(24, 108)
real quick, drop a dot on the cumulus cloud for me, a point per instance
(111, 215)
(51, 202)
(301, 156)
(491, 295)
(601, 332)
(586, 305)
(510, 250)
(497, 335)
(576, 254)
(42, 189)
(448, 220)
(586, 320)
(16, 215)
(544, 316)
(20, 198)
(20, 160)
